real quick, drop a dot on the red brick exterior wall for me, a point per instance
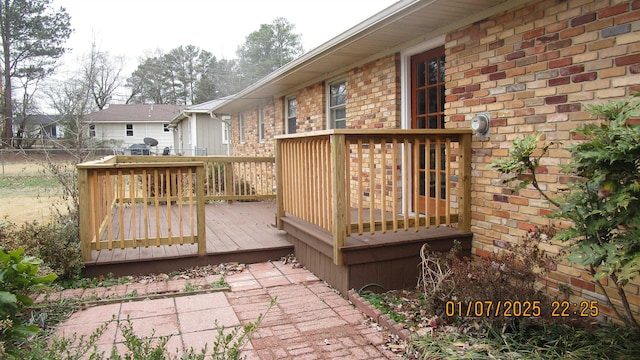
(533, 69)
(373, 102)
(373, 95)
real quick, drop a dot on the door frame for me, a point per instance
(405, 105)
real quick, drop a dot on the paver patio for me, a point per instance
(308, 321)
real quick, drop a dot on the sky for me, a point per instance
(135, 28)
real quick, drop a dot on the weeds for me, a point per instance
(227, 345)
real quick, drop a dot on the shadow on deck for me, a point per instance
(241, 232)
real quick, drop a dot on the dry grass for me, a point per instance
(27, 193)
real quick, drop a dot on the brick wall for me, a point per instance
(373, 95)
(273, 115)
(533, 69)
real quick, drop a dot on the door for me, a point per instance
(427, 112)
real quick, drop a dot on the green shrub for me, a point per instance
(18, 276)
(603, 203)
(57, 244)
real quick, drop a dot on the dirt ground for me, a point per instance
(26, 193)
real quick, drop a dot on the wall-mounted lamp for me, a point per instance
(480, 124)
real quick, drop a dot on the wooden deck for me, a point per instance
(387, 260)
(239, 232)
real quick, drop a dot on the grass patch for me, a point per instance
(10, 183)
(530, 340)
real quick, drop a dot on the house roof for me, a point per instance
(403, 24)
(41, 119)
(202, 108)
(119, 113)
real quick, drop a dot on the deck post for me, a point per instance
(84, 213)
(464, 222)
(229, 186)
(202, 229)
(279, 185)
(338, 195)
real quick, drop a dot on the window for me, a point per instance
(225, 132)
(291, 125)
(337, 105)
(261, 124)
(92, 130)
(165, 127)
(129, 128)
(241, 128)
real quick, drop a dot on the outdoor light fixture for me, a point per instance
(480, 124)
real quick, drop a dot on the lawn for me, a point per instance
(27, 192)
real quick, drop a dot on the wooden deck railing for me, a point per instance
(142, 201)
(356, 181)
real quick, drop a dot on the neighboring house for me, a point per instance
(131, 124)
(41, 127)
(197, 132)
(531, 65)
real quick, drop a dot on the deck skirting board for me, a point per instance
(373, 262)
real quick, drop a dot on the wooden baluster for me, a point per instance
(348, 184)
(383, 185)
(180, 205)
(156, 180)
(109, 223)
(360, 189)
(438, 178)
(427, 181)
(405, 181)
(372, 187)
(145, 205)
(416, 184)
(132, 195)
(394, 183)
(448, 182)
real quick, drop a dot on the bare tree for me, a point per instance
(102, 74)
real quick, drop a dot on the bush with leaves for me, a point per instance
(18, 277)
(603, 204)
(56, 244)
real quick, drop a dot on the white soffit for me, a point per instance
(384, 33)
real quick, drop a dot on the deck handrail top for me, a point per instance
(93, 165)
(375, 132)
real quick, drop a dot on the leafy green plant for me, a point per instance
(227, 345)
(57, 244)
(603, 205)
(18, 276)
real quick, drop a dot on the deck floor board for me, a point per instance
(229, 228)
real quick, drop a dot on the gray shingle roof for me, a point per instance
(136, 113)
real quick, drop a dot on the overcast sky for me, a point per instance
(133, 28)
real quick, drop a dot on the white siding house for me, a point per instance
(198, 132)
(127, 125)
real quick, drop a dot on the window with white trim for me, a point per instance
(92, 130)
(291, 122)
(165, 127)
(225, 132)
(261, 124)
(337, 105)
(129, 129)
(241, 121)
